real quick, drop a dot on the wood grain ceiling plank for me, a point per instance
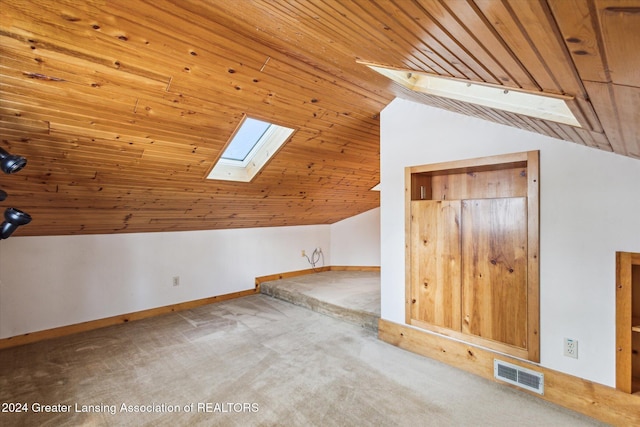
(58, 190)
(506, 23)
(427, 16)
(314, 38)
(561, 131)
(108, 133)
(578, 23)
(240, 212)
(620, 22)
(177, 197)
(317, 30)
(627, 101)
(194, 134)
(481, 112)
(55, 141)
(282, 76)
(11, 119)
(239, 48)
(325, 153)
(585, 113)
(610, 109)
(356, 172)
(117, 131)
(91, 182)
(383, 35)
(471, 28)
(49, 93)
(58, 32)
(185, 39)
(577, 137)
(538, 126)
(426, 38)
(539, 25)
(601, 140)
(42, 64)
(518, 121)
(44, 101)
(594, 139)
(280, 109)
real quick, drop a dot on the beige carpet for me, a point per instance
(352, 296)
(255, 361)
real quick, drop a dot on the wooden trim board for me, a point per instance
(61, 331)
(592, 399)
(354, 268)
(286, 275)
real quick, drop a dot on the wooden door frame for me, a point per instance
(624, 318)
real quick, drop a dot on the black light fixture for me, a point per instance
(13, 218)
(10, 163)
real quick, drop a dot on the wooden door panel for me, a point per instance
(436, 262)
(494, 272)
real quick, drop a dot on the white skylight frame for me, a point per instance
(539, 105)
(245, 170)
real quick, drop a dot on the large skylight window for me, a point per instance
(543, 106)
(250, 148)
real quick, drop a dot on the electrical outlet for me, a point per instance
(176, 280)
(571, 348)
(304, 253)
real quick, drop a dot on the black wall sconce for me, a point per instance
(10, 163)
(13, 218)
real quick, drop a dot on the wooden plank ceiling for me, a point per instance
(122, 106)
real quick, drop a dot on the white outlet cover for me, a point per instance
(571, 348)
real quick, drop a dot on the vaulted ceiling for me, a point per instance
(123, 106)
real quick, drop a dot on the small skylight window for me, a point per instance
(251, 147)
(542, 106)
(245, 139)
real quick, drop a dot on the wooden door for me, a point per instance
(494, 271)
(435, 262)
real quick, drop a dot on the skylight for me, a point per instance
(251, 147)
(542, 106)
(245, 139)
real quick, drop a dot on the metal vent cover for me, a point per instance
(518, 376)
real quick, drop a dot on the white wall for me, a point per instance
(356, 240)
(590, 208)
(46, 282)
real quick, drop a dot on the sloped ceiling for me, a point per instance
(123, 106)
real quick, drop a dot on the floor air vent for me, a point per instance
(521, 377)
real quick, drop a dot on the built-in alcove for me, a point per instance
(472, 242)
(628, 322)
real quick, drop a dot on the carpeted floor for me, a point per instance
(255, 361)
(353, 296)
